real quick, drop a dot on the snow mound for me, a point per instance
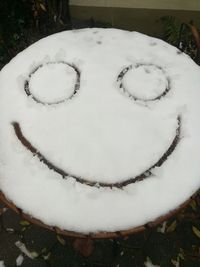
(99, 129)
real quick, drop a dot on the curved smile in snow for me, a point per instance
(145, 174)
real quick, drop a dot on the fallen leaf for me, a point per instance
(34, 254)
(196, 231)
(24, 223)
(174, 262)
(43, 7)
(46, 257)
(148, 263)
(172, 227)
(193, 205)
(24, 250)
(61, 240)
(84, 246)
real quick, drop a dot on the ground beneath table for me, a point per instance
(175, 243)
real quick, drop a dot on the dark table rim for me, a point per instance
(95, 235)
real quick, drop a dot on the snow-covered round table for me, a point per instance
(99, 132)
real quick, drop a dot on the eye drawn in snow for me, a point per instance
(153, 82)
(143, 74)
(102, 138)
(43, 80)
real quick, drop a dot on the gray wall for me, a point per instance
(148, 4)
(143, 18)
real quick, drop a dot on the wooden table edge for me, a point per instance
(97, 235)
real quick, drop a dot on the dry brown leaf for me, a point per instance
(196, 35)
(84, 246)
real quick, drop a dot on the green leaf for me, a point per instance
(172, 227)
(24, 223)
(193, 205)
(61, 240)
(196, 231)
(34, 254)
(44, 250)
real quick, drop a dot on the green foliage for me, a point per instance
(181, 35)
(15, 17)
(25, 21)
(171, 29)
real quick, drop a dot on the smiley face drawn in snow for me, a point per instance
(148, 68)
(107, 113)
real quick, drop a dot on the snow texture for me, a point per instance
(98, 131)
(19, 260)
(135, 82)
(2, 264)
(32, 255)
(53, 82)
(148, 263)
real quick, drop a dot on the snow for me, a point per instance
(101, 134)
(2, 264)
(136, 80)
(148, 263)
(31, 254)
(19, 260)
(52, 83)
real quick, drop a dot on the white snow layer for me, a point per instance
(53, 82)
(101, 133)
(145, 82)
(19, 260)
